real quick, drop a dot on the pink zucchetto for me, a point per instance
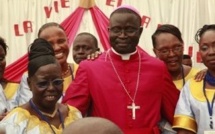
(127, 7)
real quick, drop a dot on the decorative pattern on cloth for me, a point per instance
(193, 105)
(31, 124)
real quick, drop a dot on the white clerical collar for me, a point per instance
(124, 56)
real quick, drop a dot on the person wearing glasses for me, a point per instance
(125, 84)
(195, 111)
(168, 47)
(43, 114)
(55, 34)
(84, 45)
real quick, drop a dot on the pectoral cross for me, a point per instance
(133, 107)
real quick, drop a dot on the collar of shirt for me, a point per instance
(124, 56)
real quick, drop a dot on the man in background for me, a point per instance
(84, 44)
(187, 60)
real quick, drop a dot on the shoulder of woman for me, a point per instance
(17, 114)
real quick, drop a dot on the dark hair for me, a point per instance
(40, 53)
(94, 38)
(126, 10)
(50, 24)
(186, 56)
(202, 30)
(3, 44)
(167, 28)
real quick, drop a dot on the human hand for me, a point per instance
(3, 114)
(200, 75)
(94, 55)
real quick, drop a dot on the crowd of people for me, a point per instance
(122, 90)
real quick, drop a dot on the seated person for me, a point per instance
(8, 90)
(42, 114)
(92, 125)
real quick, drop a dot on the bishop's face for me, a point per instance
(124, 32)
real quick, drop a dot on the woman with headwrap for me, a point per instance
(42, 114)
(56, 36)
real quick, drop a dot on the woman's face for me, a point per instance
(207, 49)
(2, 62)
(170, 50)
(46, 85)
(58, 39)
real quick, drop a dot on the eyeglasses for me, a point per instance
(166, 51)
(126, 30)
(45, 84)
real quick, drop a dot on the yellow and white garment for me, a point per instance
(165, 126)
(30, 124)
(179, 83)
(191, 111)
(8, 97)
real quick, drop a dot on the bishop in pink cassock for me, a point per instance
(125, 84)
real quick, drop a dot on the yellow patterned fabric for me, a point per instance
(11, 90)
(191, 74)
(8, 97)
(31, 124)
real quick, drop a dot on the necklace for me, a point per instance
(210, 106)
(182, 75)
(182, 72)
(50, 115)
(71, 71)
(67, 70)
(44, 117)
(133, 107)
